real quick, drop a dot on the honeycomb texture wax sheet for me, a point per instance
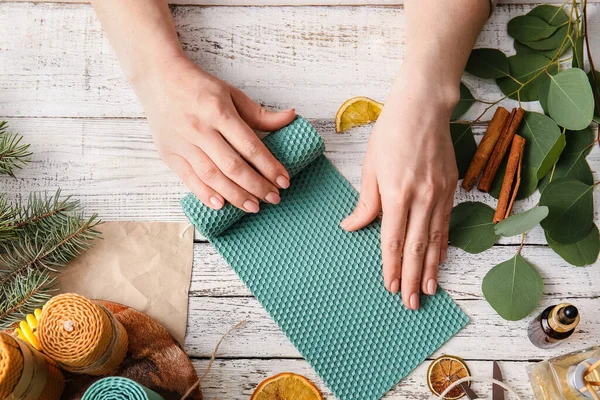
(324, 288)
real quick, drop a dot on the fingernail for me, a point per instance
(289, 110)
(414, 301)
(395, 286)
(216, 202)
(283, 182)
(347, 222)
(431, 287)
(272, 198)
(251, 206)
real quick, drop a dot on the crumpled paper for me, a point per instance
(145, 265)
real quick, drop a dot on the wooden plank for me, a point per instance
(237, 379)
(56, 61)
(209, 318)
(294, 2)
(112, 167)
(460, 276)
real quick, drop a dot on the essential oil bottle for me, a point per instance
(553, 325)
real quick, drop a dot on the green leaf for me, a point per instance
(464, 103)
(595, 90)
(553, 42)
(464, 146)
(545, 143)
(572, 163)
(570, 99)
(525, 28)
(524, 68)
(581, 253)
(488, 64)
(522, 222)
(513, 288)
(522, 49)
(471, 227)
(550, 14)
(543, 95)
(571, 206)
(578, 61)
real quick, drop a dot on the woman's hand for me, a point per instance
(202, 128)
(410, 173)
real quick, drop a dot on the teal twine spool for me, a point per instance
(118, 388)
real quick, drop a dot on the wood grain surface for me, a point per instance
(62, 88)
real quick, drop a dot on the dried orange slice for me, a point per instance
(355, 112)
(442, 372)
(286, 386)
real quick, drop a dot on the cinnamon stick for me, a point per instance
(510, 128)
(493, 132)
(509, 191)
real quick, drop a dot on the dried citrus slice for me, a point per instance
(442, 372)
(355, 112)
(286, 386)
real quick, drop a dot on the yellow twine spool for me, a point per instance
(26, 374)
(81, 335)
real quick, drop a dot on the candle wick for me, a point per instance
(68, 325)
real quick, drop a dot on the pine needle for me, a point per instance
(13, 154)
(24, 295)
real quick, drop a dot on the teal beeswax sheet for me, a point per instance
(322, 285)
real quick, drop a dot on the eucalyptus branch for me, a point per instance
(13, 154)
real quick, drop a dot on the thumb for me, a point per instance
(258, 117)
(369, 204)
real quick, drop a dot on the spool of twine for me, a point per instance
(82, 336)
(26, 374)
(119, 388)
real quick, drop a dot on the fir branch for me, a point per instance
(45, 213)
(47, 251)
(13, 154)
(8, 217)
(24, 295)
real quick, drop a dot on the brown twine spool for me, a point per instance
(26, 374)
(82, 336)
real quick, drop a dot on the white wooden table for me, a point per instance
(61, 87)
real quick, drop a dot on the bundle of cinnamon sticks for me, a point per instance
(499, 136)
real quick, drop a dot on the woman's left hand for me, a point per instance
(410, 173)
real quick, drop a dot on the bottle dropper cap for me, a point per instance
(564, 317)
(569, 313)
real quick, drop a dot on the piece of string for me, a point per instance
(212, 360)
(479, 378)
(184, 230)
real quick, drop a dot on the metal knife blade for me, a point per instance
(468, 391)
(497, 391)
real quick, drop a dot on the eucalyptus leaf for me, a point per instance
(544, 142)
(488, 64)
(570, 99)
(522, 222)
(581, 253)
(578, 61)
(553, 42)
(552, 15)
(472, 228)
(522, 49)
(596, 90)
(465, 102)
(525, 28)
(572, 163)
(543, 95)
(464, 146)
(523, 68)
(513, 288)
(571, 206)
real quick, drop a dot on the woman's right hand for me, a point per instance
(203, 130)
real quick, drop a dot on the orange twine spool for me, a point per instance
(81, 335)
(25, 373)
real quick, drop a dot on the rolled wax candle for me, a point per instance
(26, 374)
(117, 388)
(82, 336)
